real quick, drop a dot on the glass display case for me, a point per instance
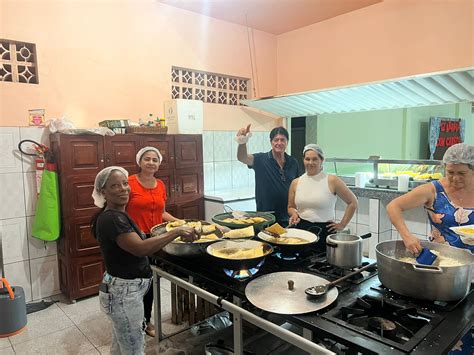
(384, 173)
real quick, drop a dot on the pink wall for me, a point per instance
(112, 59)
(392, 39)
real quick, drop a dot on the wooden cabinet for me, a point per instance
(80, 158)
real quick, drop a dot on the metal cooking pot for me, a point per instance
(433, 283)
(184, 249)
(345, 250)
(311, 239)
(243, 263)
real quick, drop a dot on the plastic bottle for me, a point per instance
(162, 122)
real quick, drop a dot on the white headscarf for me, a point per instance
(314, 147)
(101, 180)
(461, 153)
(147, 149)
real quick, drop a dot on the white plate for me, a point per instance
(466, 237)
(291, 232)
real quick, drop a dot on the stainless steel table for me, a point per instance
(238, 315)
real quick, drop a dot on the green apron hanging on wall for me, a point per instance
(47, 223)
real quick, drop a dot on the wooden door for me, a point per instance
(188, 150)
(87, 273)
(121, 150)
(165, 144)
(191, 210)
(189, 184)
(167, 176)
(76, 196)
(81, 241)
(78, 155)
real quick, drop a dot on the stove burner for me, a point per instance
(384, 319)
(384, 327)
(244, 274)
(324, 268)
(286, 257)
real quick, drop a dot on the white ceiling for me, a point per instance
(435, 89)
(272, 16)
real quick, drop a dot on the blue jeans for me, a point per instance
(123, 304)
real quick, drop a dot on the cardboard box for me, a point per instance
(184, 116)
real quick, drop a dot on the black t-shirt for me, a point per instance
(273, 183)
(118, 262)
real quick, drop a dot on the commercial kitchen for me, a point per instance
(369, 81)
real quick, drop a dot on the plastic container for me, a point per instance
(403, 182)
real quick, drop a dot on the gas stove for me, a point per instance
(366, 317)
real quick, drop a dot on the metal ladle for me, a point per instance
(320, 290)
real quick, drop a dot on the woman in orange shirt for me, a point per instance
(146, 206)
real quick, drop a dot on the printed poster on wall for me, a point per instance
(443, 133)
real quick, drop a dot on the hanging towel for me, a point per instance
(47, 223)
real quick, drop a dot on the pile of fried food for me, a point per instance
(247, 220)
(207, 232)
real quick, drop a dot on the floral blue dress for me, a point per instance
(444, 214)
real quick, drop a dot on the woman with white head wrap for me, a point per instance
(312, 198)
(147, 207)
(449, 201)
(124, 249)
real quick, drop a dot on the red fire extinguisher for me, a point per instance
(37, 150)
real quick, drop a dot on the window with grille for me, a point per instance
(18, 62)
(208, 87)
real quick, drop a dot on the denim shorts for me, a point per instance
(123, 304)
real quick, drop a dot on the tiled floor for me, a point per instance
(79, 328)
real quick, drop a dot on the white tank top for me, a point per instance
(314, 201)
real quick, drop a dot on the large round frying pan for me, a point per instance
(240, 254)
(284, 242)
(178, 248)
(269, 220)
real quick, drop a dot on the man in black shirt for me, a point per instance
(274, 172)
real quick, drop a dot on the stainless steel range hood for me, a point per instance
(423, 90)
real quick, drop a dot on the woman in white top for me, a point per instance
(312, 198)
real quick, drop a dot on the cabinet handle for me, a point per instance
(177, 188)
(171, 157)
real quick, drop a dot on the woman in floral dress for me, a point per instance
(448, 201)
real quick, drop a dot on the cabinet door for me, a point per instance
(80, 238)
(165, 144)
(191, 210)
(189, 184)
(188, 150)
(87, 273)
(80, 155)
(121, 150)
(76, 197)
(80, 277)
(167, 176)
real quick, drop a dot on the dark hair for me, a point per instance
(279, 130)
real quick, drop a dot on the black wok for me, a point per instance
(290, 249)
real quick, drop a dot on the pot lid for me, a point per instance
(271, 293)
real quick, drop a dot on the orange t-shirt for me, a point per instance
(146, 206)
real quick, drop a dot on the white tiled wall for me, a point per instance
(28, 262)
(371, 216)
(222, 170)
